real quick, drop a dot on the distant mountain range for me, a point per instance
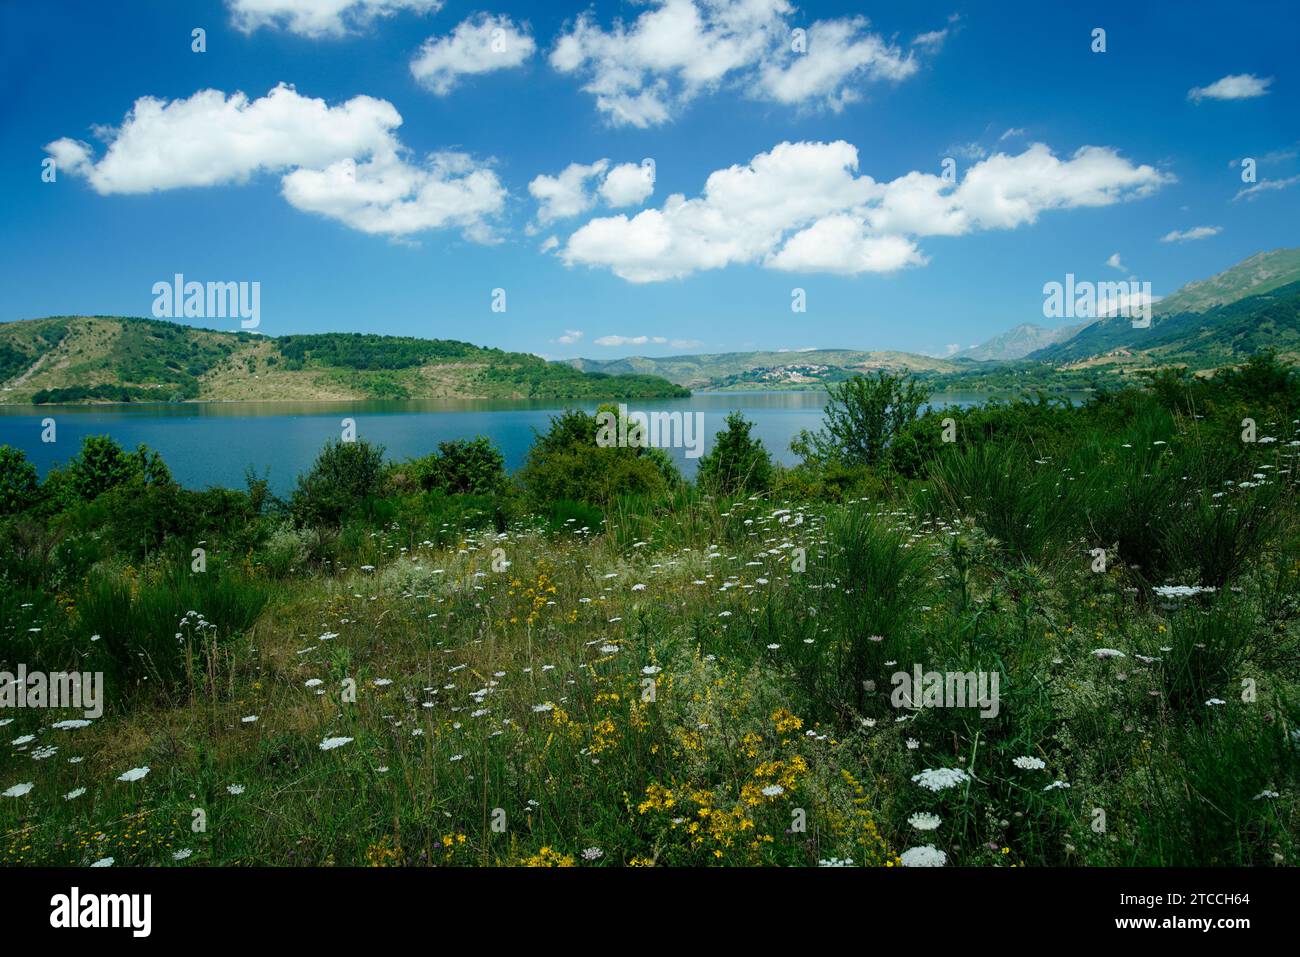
(765, 370)
(1205, 324)
(1018, 342)
(123, 359)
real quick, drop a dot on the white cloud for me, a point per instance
(568, 194)
(837, 244)
(320, 18)
(477, 45)
(570, 337)
(642, 73)
(968, 151)
(387, 195)
(1114, 263)
(342, 161)
(933, 39)
(1197, 232)
(647, 340)
(840, 53)
(802, 206)
(1238, 86)
(565, 195)
(1015, 131)
(1251, 193)
(628, 340)
(628, 184)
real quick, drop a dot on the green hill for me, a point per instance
(1204, 324)
(124, 359)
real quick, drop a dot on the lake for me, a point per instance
(213, 443)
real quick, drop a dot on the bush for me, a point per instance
(461, 467)
(138, 622)
(101, 465)
(863, 416)
(18, 481)
(738, 464)
(566, 463)
(868, 588)
(343, 477)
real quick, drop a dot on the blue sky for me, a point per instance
(353, 221)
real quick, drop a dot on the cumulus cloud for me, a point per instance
(342, 161)
(840, 53)
(628, 184)
(570, 337)
(387, 195)
(320, 18)
(565, 195)
(641, 74)
(570, 193)
(1114, 263)
(1196, 232)
(803, 207)
(480, 44)
(837, 244)
(1238, 86)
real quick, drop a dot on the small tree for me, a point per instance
(738, 463)
(863, 415)
(18, 481)
(101, 464)
(344, 476)
(566, 464)
(463, 466)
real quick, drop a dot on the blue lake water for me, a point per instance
(213, 443)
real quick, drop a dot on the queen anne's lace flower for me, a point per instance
(940, 779)
(1029, 764)
(927, 855)
(925, 821)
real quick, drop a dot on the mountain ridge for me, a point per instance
(78, 359)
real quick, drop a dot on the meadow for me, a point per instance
(596, 663)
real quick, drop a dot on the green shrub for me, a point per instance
(863, 415)
(738, 463)
(138, 623)
(462, 466)
(18, 481)
(343, 477)
(565, 463)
